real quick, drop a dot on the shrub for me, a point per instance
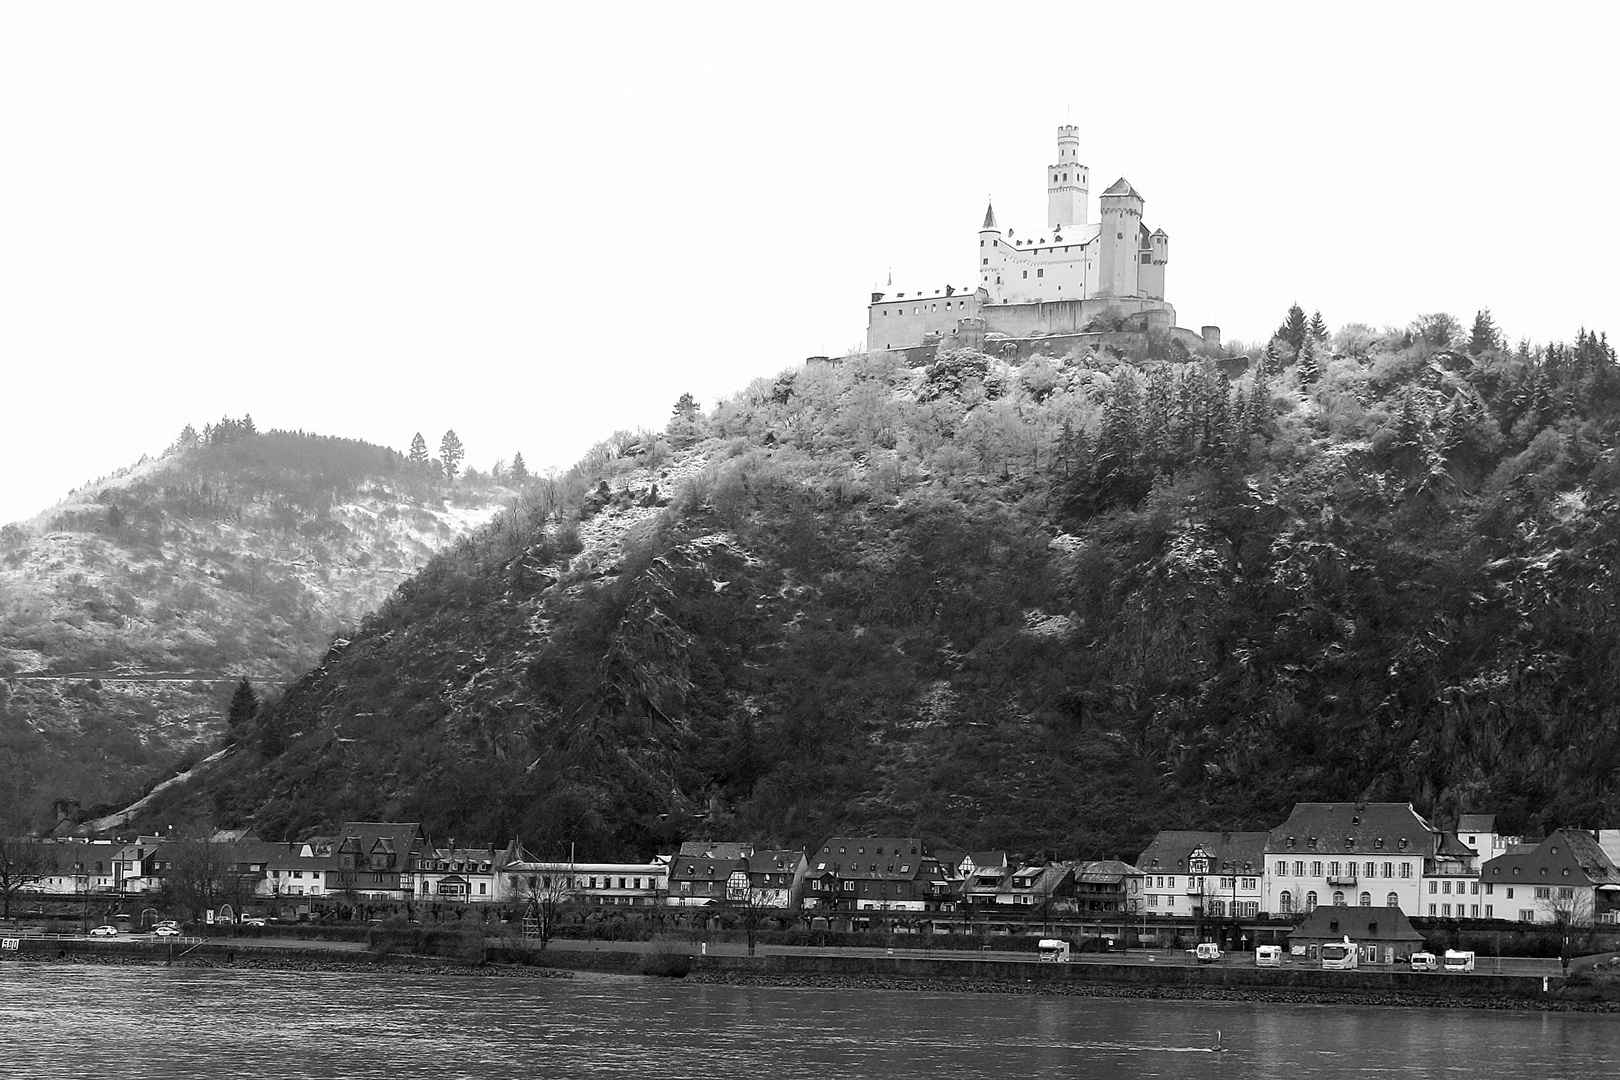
(667, 958)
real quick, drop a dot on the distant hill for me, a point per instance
(1050, 605)
(129, 612)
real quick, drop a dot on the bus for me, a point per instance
(1340, 956)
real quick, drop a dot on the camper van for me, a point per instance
(1340, 956)
(1458, 961)
(1425, 961)
(1207, 953)
(1268, 956)
(1053, 950)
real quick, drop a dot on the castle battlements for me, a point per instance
(1053, 280)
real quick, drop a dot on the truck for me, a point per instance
(1340, 956)
(1457, 961)
(1053, 950)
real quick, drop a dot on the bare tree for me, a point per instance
(22, 862)
(545, 889)
(1570, 910)
(750, 904)
(200, 873)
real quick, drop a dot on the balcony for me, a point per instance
(1347, 881)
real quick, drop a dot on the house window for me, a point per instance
(1366, 899)
(1333, 869)
(1526, 916)
(1431, 910)
(1338, 899)
(1434, 886)
(1316, 869)
(1445, 909)
(1490, 911)
(1406, 869)
(1310, 900)
(1392, 900)
(1299, 868)
(1510, 892)
(1371, 870)
(1285, 902)
(1542, 892)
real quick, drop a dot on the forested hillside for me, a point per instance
(129, 612)
(1050, 605)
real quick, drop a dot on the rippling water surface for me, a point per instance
(72, 1021)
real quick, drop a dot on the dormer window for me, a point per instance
(1403, 843)
(1378, 844)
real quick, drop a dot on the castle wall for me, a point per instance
(895, 323)
(1067, 316)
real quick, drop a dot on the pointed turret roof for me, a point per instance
(989, 219)
(1122, 186)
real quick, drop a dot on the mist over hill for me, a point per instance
(129, 612)
(1056, 604)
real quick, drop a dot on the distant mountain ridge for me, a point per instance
(128, 611)
(1051, 605)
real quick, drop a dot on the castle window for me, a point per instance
(1040, 273)
(986, 262)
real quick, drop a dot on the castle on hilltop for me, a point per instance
(1074, 278)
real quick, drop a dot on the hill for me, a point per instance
(1050, 605)
(129, 612)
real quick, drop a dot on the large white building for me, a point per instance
(1361, 854)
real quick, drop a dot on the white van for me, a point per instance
(1268, 956)
(1425, 961)
(1207, 952)
(1458, 961)
(1053, 950)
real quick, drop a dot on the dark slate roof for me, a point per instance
(1122, 186)
(1369, 828)
(1231, 853)
(1362, 925)
(1476, 823)
(1104, 870)
(989, 218)
(878, 858)
(1573, 850)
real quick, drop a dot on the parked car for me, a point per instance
(1207, 952)
(169, 922)
(105, 931)
(251, 920)
(166, 931)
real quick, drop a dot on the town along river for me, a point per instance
(66, 1020)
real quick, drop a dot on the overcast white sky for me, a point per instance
(536, 226)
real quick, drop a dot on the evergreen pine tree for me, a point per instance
(1484, 335)
(1294, 329)
(1318, 327)
(248, 427)
(1308, 371)
(244, 707)
(520, 471)
(451, 453)
(686, 407)
(188, 436)
(419, 449)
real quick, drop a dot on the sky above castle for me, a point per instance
(536, 225)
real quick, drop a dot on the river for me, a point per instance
(62, 1020)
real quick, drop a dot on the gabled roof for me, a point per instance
(1354, 829)
(1567, 857)
(1362, 925)
(1476, 823)
(1231, 853)
(1122, 186)
(1104, 871)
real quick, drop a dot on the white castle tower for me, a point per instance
(1067, 183)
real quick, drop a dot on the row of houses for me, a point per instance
(1327, 854)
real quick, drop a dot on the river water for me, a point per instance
(60, 1020)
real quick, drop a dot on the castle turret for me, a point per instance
(991, 254)
(1067, 183)
(1150, 277)
(1119, 240)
